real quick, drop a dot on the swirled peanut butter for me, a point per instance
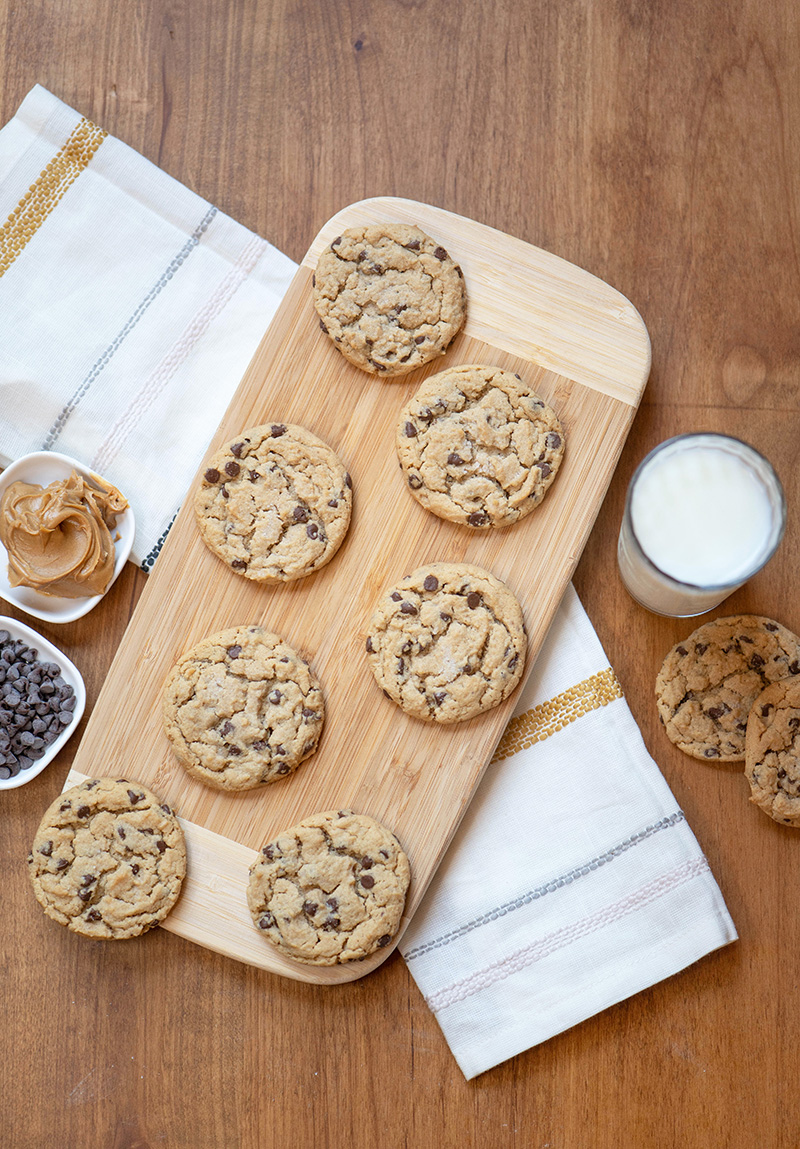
(58, 537)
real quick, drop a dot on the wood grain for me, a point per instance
(415, 777)
(653, 144)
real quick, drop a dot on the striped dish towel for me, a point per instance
(574, 880)
(129, 310)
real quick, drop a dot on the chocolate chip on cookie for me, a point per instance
(710, 680)
(389, 297)
(478, 446)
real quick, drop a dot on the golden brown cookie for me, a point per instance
(447, 642)
(274, 503)
(108, 859)
(478, 446)
(708, 682)
(389, 297)
(772, 751)
(331, 889)
(242, 708)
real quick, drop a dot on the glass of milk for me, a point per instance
(703, 513)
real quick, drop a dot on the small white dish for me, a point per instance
(46, 652)
(45, 467)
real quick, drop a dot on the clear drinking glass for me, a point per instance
(704, 512)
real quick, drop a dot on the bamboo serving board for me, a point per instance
(584, 348)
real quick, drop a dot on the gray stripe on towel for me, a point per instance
(549, 887)
(184, 253)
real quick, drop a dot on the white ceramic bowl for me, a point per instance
(46, 652)
(44, 467)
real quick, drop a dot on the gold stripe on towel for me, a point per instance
(541, 721)
(43, 195)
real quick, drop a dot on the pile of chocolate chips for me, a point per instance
(36, 704)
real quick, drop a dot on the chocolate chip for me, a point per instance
(278, 429)
(161, 845)
(212, 475)
(121, 832)
(85, 895)
(232, 469)
(553, 441)
(473, 600)
(772, 626)
(93, 916)
(545, 469)
(237, 449)
(238, 564)
(134, 797)
(336, 242)
(322, 325)
(312, 530)
(765, 709)
(253, 476)
(83, 811)
(455, 460)
(431, 582)
(331, 922)
(478, 519)
(231, 750)
(415, 482)
(413, 245)
(310, 908)
(420, 338)
(439, 697)
(266, 921)
(367, 862)
(756, 662)
(369, 646)
(307, 712)
(711, 752)
(135, 868)
(46, 849)
(396, 596)
(440, 253)
(411, 431)
(300, 514)
(794, 667)
(681, 650)
(226, 728)
(715, 712)
(275, 696)
(408, 608)
(62, 864)
(234, 651)
(268, 852)
(383, 941)
(367, 881)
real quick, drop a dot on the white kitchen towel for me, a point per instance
(129, 310)
(574, 880)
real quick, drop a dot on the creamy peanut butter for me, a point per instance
(58, 537)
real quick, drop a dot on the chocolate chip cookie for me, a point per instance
(331, 889)
(274, 503)
(772, 751)
(242, 708)
(709, 681)
(447, 643)
(389, 297)
(108, 859)
(478, 446)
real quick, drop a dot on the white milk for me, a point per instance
(704, 513)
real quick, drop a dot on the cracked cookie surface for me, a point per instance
(274, 503)
(331, 889)
(447, 642)
(242, 708)
(389, 297)
(708, 682)
(108, 859)
(479, 447)
(772, 751)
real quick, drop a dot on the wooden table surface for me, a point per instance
(654, 144)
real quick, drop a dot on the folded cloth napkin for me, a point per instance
(129, 309)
